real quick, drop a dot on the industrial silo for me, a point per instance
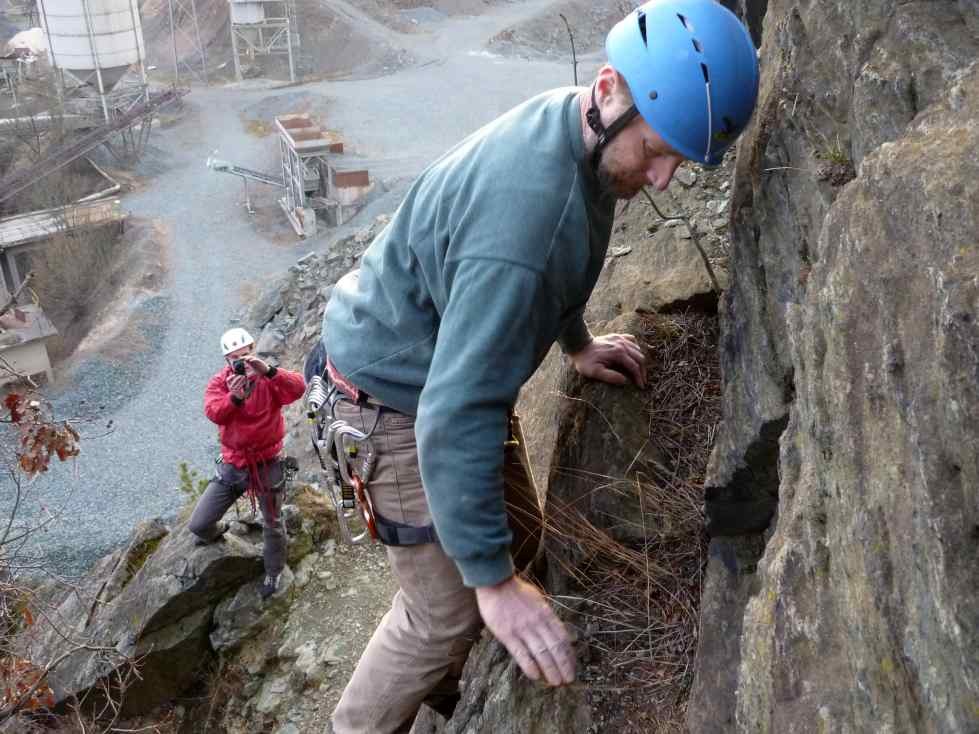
(96, 41)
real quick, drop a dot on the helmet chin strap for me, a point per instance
(605, 134)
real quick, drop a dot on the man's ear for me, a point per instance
(605, 84)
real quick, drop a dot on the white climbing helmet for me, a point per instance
(234, 339)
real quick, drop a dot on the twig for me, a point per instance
(13, 298)
(574, 57)
(694, 235)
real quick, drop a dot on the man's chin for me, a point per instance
(623, 191)
(617, 187)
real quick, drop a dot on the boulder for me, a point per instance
(270, 342)
(662, 273)
(152, 602)
(604, 438)
(244, 614)
(268, 304)
(624, 538)
(498, 698)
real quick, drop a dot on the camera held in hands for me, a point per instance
(238, 366)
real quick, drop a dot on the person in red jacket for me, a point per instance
(245, 400)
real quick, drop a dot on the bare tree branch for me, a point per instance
(16, 295)
(694, 235)
(574, 56)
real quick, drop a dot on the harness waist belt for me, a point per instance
(394, 533)
(354, 393)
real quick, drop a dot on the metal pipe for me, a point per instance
(173, 38)
(197, 30)
(87, 14)
(47, 33)
(234, 45)
(133, 16)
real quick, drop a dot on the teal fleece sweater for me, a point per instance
(489, 260)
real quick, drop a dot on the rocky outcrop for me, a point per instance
(497, 698)
(153, 603)
(843, 592)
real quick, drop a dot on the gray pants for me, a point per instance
(418, 650)
(228, 485)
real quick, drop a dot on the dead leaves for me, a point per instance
(41, 438)
(24, 686)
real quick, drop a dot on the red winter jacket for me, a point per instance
(253, 431)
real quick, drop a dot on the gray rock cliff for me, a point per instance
(842, 591)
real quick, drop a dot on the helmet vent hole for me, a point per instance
(642, 26)
(697, 46)
(703, 68)
(686, 23)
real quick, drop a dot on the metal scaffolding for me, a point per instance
(185, 28)
(60, 156)
(263, 28)
(302, 149)
(311, 180)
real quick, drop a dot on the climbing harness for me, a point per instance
(347, 456)
(255, 489)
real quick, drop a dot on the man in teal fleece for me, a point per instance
(489, 260)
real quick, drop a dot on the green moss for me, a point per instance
(834, 154)
(139, 557)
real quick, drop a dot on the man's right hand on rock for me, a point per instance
(519, 616)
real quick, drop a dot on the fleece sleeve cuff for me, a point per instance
(575, 337)
(486, 571)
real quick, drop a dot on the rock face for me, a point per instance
(154, 602)
(847, 464)
(160, 613)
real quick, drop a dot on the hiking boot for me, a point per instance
(222, 529)
(269, 586)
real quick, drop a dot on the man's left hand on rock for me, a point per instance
(613, 358)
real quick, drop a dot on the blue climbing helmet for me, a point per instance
(692, 70)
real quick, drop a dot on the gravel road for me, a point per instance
(219, 256)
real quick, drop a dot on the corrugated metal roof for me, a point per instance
(22, 229)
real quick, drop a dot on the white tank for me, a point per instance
(243, 11)
(86, 35)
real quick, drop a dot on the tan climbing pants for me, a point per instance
(418, 650)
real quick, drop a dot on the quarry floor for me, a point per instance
(138, 377)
